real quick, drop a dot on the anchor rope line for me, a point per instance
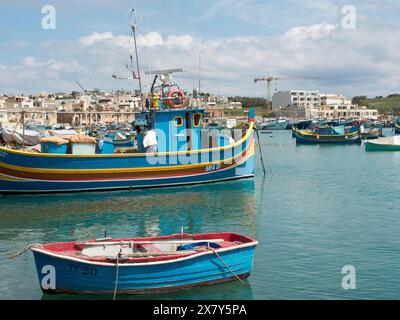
(230, 270)
(261, 152)
(16, 253)
(116, 278)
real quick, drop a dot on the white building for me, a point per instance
(307, 101)
(348, 111)
(296, 98)
(234, 105)
(2, 102)
(338, 106)
(126, 101)
(328, 99)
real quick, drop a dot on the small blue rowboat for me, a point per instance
(139, 265)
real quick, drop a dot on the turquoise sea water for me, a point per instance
(321, 208)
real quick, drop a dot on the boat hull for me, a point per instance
(241, 171)
(349, 138)
(22, 172)
(373, 134)
(77, 277)
(369, 146)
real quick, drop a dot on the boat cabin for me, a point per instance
(176, 129)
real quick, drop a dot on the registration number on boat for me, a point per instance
(213, 167)
(85, 270)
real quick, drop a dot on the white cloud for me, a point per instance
(29, 61)
(184, 42)
(301, 33)
(95, 37)
(150, 39)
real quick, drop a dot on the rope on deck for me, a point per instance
(116, 278)
(216, 253)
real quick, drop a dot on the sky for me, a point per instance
(320, 45)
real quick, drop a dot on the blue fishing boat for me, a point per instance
(331, 135)
(370, 131)
(172, 148)
(397, 126)
(118, 139)
(277, 124)
(139, 265)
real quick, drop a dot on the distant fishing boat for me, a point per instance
(119, 140)
(279, 124)
(302, 125)
(139, 265)
(333, 135)
(384, 144)
(370, 132)
(397, 126)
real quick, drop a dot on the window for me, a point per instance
(178, 121)
(197, 119)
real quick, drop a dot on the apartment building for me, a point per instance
(328, 99)
(296, 98)
(348, 111)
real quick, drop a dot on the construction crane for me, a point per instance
(269, 79)
(84, 90)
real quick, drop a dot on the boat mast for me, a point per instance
(200, 78)
(133, 27)
(23, 129)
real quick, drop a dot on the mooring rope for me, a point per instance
(116, 278)
(16, 253)
(261, 154)
(216, 253)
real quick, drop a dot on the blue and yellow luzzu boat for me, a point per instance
(373, 133)
(332, 137)
(139, 265)
(185, 154)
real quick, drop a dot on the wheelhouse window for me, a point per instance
(197, 119)
(178, 121)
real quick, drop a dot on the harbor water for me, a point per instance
(319, 208)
